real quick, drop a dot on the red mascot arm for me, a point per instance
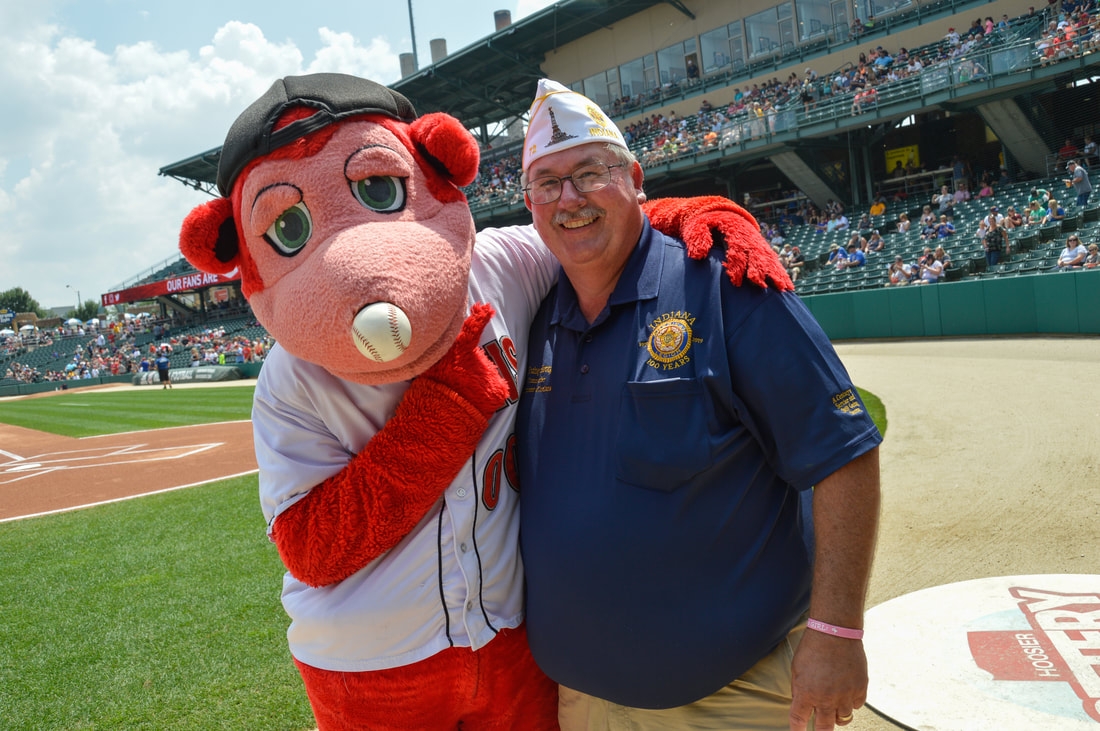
(703, 221)
(384, 491)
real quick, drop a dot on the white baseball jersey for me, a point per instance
(457, 577)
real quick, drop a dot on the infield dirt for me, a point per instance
(991, 463)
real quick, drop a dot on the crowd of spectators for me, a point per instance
(755, 110)
(112, 350)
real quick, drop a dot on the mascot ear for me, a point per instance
(208, 238)
(448, 146)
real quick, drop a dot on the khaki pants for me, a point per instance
(760, 700)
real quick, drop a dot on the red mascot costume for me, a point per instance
(383, 419)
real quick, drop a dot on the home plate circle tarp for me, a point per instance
(1009, 652)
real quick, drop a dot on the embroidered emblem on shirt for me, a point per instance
(670, 340)
(847, 403)
(538, 379)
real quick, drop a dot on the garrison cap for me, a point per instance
(335, 97)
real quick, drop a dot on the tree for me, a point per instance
(87, 310)
(19, 300)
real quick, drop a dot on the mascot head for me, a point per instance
(343, 213)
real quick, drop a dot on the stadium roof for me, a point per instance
(489, 81)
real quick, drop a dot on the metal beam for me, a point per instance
(681, 7)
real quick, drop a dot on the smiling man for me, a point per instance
(669, 432)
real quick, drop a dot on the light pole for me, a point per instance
(69, 286)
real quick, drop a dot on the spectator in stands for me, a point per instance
(944, 201)
(1068, 150)
(1089, 151)
(875, 243)
(854, 259)
(857, 240)
(962, 192)
(983, 229)
(834, 223)
(904, 223)
(927, 218)
(930, 271)
(899, 273)
(835, 254)
(878, 206)
(994, 242)
(794, 262)
(1092, 259)
(944, 228)
(865, 97)
(1013, 219)
(1079, 179)
(1073, 256)
(1055, 212)
(1035, 213)
(692, 72)
(941, 255)
(864, 223)
(1039, 194)
(993, 214)
(986, 191)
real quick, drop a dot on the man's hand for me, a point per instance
(704, 221)
(828, 681)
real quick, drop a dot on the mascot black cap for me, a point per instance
(334, 96)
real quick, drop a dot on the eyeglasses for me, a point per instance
(586, 179)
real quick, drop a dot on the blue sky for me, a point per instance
(100, 94)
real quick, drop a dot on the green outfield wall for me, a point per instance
(1062, 303)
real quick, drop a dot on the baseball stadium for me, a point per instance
(873, 143)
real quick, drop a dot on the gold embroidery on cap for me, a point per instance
(558, 135)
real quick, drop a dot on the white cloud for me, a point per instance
(86, 131)
(527, 7)
(340, 53)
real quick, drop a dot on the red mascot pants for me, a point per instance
(497, 688)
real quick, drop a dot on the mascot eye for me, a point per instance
(384, 193)
(291, 230)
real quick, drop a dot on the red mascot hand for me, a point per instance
(384, 491)
(704, 221)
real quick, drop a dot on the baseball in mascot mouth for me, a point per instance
(353, 239)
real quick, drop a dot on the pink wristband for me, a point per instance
(832, 629)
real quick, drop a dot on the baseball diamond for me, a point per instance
(990, 468)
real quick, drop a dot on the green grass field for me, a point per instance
(87, 413)
(157, 613)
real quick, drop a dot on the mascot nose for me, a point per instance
(381, 331)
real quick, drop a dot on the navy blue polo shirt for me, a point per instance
(663, 452)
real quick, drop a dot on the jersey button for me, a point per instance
(461, 492)
(462, 547)
(584, 368)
